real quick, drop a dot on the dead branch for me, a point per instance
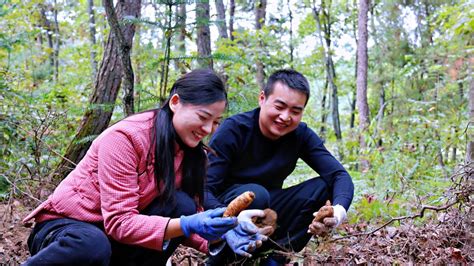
(401, 218)
(44, 143)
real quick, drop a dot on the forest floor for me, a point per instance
(446, 236)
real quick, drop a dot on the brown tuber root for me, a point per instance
(267, 223)
(325, 211)
(239, 204)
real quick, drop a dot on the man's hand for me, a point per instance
(323, 225)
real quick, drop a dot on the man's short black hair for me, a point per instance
(289, 77)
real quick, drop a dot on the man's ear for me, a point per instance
(174, 102)
(261, 98)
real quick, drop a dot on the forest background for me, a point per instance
(392, 96)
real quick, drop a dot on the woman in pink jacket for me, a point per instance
(137, 193)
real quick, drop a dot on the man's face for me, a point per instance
(281, 111)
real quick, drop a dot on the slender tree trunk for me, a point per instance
(138, 67)
(362, 65)
(203, 34)
(56, 41)
(181, 38)
(124, 50)
(354, 86)
(470, 144)
(231, 19)
(165, 64)
(106, 87)
(92, 32)
(46, 24)
(330, 69)
(324, 112)
(221, 21)
(260, 13)
(290, 15)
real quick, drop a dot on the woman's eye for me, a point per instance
(202, 118)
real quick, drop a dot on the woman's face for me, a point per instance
(194, 122)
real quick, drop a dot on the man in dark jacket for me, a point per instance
(257, 150)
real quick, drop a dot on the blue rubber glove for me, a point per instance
(209, 224)
(244, 238)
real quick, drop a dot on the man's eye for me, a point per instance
(202, 118)
(296, 112)
(278, 107)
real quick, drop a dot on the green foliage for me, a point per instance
(418, 59)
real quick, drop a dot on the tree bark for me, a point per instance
(362, 65)
(124, 48)
(203, 34)
(260, 13)
(92, 32)
(231, 19)
(106, 87)
(221, 23)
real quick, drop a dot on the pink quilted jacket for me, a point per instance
(113, 183)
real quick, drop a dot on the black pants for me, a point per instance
(72, 242)
(294, 205)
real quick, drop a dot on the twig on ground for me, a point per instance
(420, 215)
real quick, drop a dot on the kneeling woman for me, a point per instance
(136, 194)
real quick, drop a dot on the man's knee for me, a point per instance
(316, 189)
(185, 205)
(262, 197)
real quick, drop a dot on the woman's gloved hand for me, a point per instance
(209, 224)
(244, 238)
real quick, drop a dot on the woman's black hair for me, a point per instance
(199, 87)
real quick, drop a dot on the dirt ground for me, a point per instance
(447, 239)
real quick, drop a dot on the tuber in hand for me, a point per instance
(239, 204)
(325, 211)
(267, 223)
(319, 226)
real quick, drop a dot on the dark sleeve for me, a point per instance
(323, 162)
(224, 143)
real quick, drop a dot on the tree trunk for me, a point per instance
(56, 42)
(203, 34)
(106, 87)
(362, 65)
(92, 32)
(330, 70)
(260, 12)
(124, 48)
(181, 38)
(231, 19)
(46, 24)
(221, 22)
(290, 15)
(165, 64)
(470, 144)
(324, 112)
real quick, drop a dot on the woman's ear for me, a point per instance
(174, 102)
